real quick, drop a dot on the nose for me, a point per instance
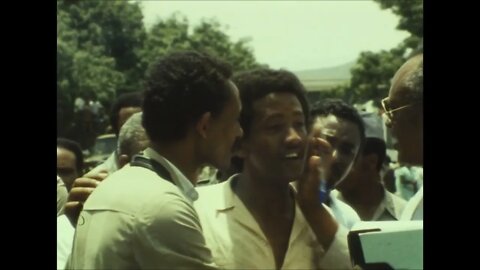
(293, 137)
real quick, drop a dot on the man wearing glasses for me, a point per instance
(403, 114)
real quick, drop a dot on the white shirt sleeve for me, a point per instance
(169, 236)
(62, 195)
(65, 234)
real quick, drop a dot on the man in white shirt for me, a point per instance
(362, 188)
(403, 111)
(256, 219)
(341, 125)
(142, 215)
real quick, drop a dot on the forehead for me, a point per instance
(398, 91)
(342, 128)
(64, 155)
(277, 103)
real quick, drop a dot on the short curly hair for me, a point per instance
(179, 88)
(75, 148)
(340, 109)
(256, 84)
(133, 99)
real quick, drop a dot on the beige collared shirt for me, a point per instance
(237, 242)
(137, 220)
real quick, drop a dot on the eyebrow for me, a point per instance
(281, 115)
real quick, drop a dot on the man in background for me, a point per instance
(363, 189)
(69, 161)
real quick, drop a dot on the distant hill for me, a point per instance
(325, 78)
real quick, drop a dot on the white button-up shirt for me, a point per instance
(390, 208)
(65, 233)
(237, 242)
(137, 220)
(414, 208)
(343, 213)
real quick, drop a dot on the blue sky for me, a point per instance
(296, 35)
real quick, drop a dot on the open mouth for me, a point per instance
(292, 156)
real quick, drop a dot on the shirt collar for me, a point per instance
(229, 201)
(390, 205)
(387, 205)
(178, 178)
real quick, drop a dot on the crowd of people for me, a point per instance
(280, 181)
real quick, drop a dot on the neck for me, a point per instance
(261, 196)
(178, 154)
(369, 192)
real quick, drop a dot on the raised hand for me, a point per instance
(81, 189)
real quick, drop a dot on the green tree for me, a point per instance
(173, 33)
(115, 28)
(98, 53)
(372, 73)
(410, 12)
(103, 50)
(165, 35)
(208, 36)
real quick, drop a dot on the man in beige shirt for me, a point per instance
(255, 219)
(141, 216)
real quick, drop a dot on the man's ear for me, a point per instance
(203, 124)
(123, 160)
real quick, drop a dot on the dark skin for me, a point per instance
(362, 188)
(268, 196)
(275, 211)
(66, 166)
(81, 189)
(273, 157)
(188, 154)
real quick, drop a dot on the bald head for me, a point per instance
(407, 83)
(405, 99)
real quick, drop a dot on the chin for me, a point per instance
(288, 176)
